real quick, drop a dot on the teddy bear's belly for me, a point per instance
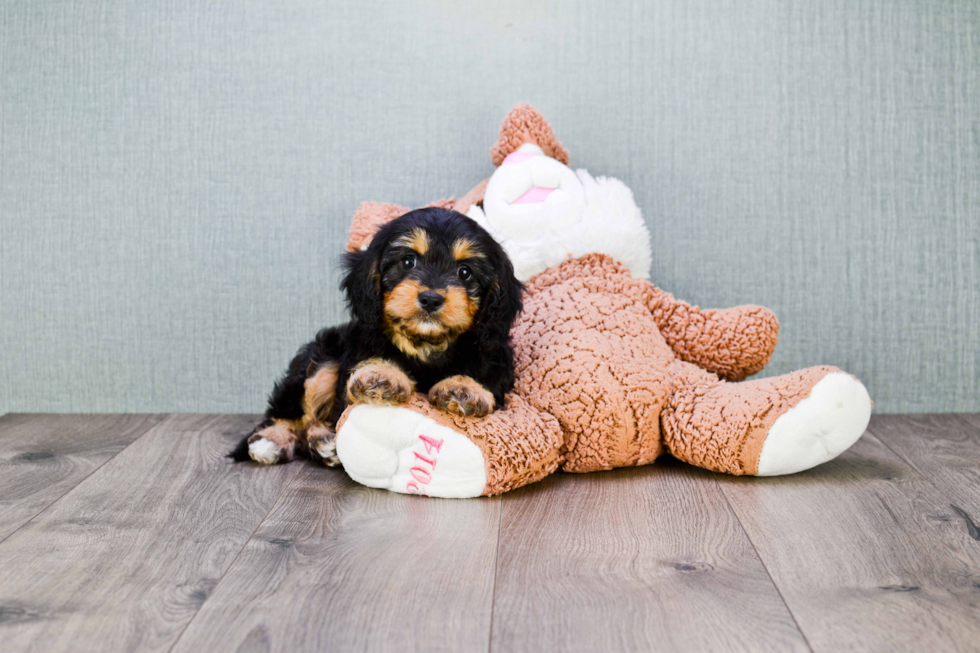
(596, 360)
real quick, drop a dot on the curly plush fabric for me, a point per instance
(733, 343)
(589, 353)
(525, 124)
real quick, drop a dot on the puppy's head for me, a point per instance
(427, 278)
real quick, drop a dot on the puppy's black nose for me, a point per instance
(431, 301)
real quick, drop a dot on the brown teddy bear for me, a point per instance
(611, 371)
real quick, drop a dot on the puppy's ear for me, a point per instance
(502, 303)
(362, 286)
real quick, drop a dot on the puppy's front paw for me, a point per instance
(322, 442)
(379, 383)
(463, 396)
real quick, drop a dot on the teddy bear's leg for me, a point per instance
(765, 427)
(418, 449)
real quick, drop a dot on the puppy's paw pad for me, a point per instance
(403, 451)
(819, 428)
(263, 451)
(380, 385)
(322, 442)
(463, 396)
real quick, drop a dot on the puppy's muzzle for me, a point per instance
(430, 301)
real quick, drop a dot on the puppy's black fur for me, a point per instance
(482, 352)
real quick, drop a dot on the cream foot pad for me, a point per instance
(819, 428)
(400, 450)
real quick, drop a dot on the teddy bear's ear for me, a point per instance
(525, 124)
(371, 216)
(368, 218)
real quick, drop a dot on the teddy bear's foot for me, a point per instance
(819, 428)
(401, 450)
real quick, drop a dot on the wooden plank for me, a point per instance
(340, 567)
(124, 560)
(971, 418)
(636, 559)
(943, 448)
(44, 456)
(866, 553)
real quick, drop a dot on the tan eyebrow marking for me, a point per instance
(465, 248)
(416, 239)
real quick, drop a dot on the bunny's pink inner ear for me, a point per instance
(525, 124)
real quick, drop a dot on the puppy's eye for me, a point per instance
(408, 261)
(464, 272)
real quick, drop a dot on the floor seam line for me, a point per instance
(83, 479)
(762, 562)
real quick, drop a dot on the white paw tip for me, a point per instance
(264, 452)
(403, 451)
(819, 428)
(326, 448)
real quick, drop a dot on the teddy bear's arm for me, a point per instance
(732, 342)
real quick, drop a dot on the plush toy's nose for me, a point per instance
(431, 301)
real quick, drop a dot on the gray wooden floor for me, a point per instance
(133, 532)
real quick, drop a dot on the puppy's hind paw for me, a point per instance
(379, 383)
(463, 396)
(273, 444)
(322, 442)
(263, 451)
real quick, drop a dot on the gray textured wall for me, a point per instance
(176, 178)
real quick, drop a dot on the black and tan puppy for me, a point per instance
(432, 299)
